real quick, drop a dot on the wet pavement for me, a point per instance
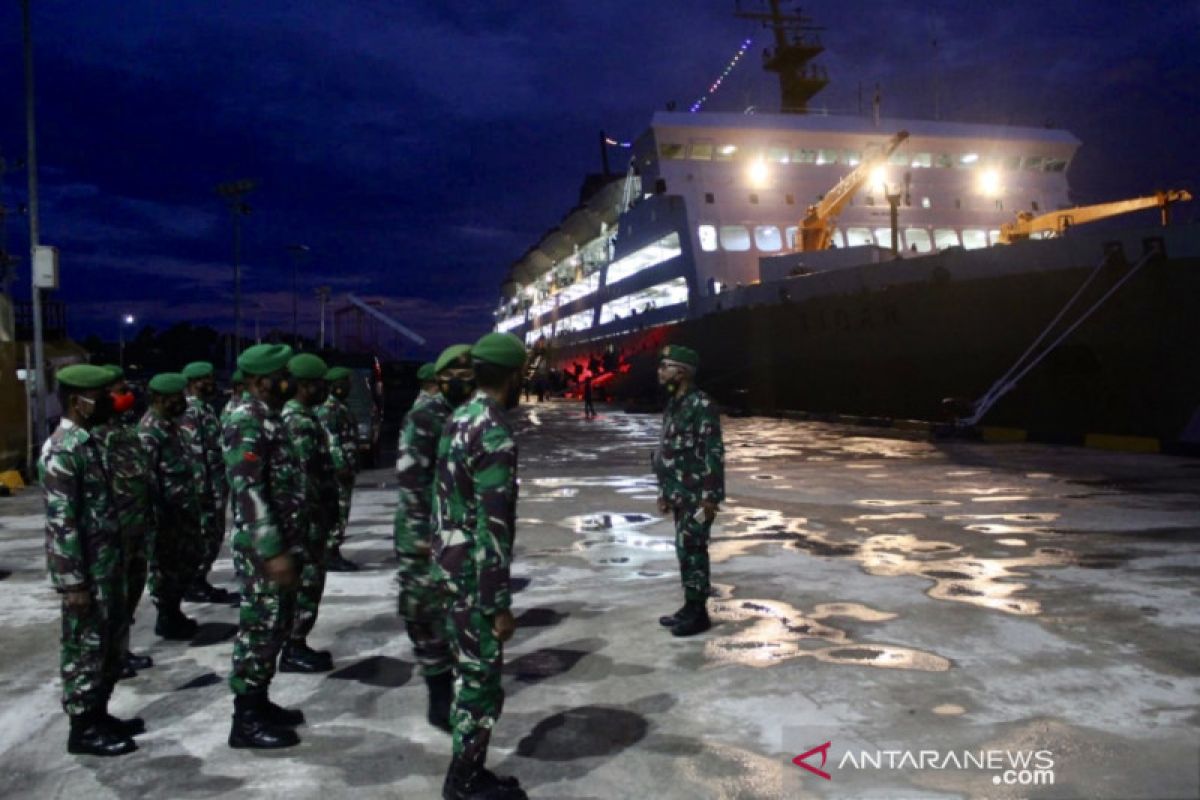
(954, 619)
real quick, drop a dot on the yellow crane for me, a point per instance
(1056, 223)
(816, 229)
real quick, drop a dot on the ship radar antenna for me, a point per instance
(797, 44)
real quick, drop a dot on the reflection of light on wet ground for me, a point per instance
(607, 520)
(978, 490)
(549, 497)
(772, 632)
(899, 503)
(1012, 542)
(1001, 499)
(949, 710)
(996, 528)
(1021, 517)
(882, 517)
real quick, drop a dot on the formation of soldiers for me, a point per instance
(286, 463)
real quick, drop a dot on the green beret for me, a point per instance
(85, 376)
(197, 370)
(307, 366)
(501, 349)
(237, 376)
(451, 354)
(168, 383)
(337, 373)
(426, 373)
(680, 355)
(116, 371)
(263, 359)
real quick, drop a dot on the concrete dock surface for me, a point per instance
(893, 618)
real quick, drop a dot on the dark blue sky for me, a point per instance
(418, 148)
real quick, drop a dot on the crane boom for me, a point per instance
(816, 229)
(1058, 222)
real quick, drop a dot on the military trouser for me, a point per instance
(423, 605)
(478, 695)
(212, 523)
(178, 552)
(136, 550)
(264, 623)
(338, 533)
(312, 583)
(89, 657)
(691, 549)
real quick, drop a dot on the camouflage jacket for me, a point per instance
(83, 538)
(475, 505)
(310, 445)
(343, 436)
(203, 433)
(172, 471)
(129, 471)
(690, 463)
(265, 481)
(230, 405)
(415, 464)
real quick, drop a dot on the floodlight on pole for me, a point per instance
(39, 379)
(298, 252)
(126, 319)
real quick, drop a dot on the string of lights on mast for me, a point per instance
(733, 62)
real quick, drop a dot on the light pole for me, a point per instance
(126, 319)
(235, 193)
(39, 379)
(298, 252)
(322, 293)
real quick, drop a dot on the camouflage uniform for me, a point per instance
(422, 603)
(129, 470)
(178, 536)
(267, 491)
(475, 505)
(310, 447)
(83, 551)
(343, 446)
(203, 434)
(233, 402)
(690, 468)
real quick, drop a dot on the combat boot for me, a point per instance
(672, 620)
(136, 662)
(252, 729)
(174, 624)
(90, 736)
(693, 620)
(339, 563)
(466, 781)
(297, 656)
(284, 717)
(134, 726)
(441, 697)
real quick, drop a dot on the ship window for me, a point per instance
(898, 159)
(851, 157)
(735, 238)
(918, 239)
(670, 150)
(922, 160)
(802, 155)
(649, 256)
(1056, 164)
(669, 293)
(1000, 205)
(709, 198)
(726, 152)
(753, 199)
(945, 237)
(778, 154)
(855, 237)
(789, 235)
(994, 236)
(968, 159)
(974, 238)
(1034, 205)
(827, 157)
(836, 240)
(767, 239)
(926, 202)
(883, 236)
(1033, 164)
(942, 160)
(790, 199)
(708, 238)
(702, 150)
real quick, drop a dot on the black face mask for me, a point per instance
(282, 390)
(458, 390)
(101, 409)
(176, 408)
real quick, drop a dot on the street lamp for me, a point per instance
(126, 319)
(235, 193)
(298, 252)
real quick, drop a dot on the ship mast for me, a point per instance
(796, 44)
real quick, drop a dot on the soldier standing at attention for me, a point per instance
(475, 505)
(691, 481)
(178, 536)
(84, 559)
(319, 515)
(129, 473)
(203, 431)
(338, 422)
(267, 491)
(422, 603)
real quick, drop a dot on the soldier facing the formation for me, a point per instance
(85, 561)
(335, 416)
(475, 524)
(422, 603)
(267, 491)
(691, 481)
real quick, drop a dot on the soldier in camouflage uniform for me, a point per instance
(203, 432)
(338, 422)
(319, 516)
(422, 604)
(267, 491)
(237, 394)
(691, 481)
(178, 536)
(84, 559)
(475, 506)
(129, 473)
